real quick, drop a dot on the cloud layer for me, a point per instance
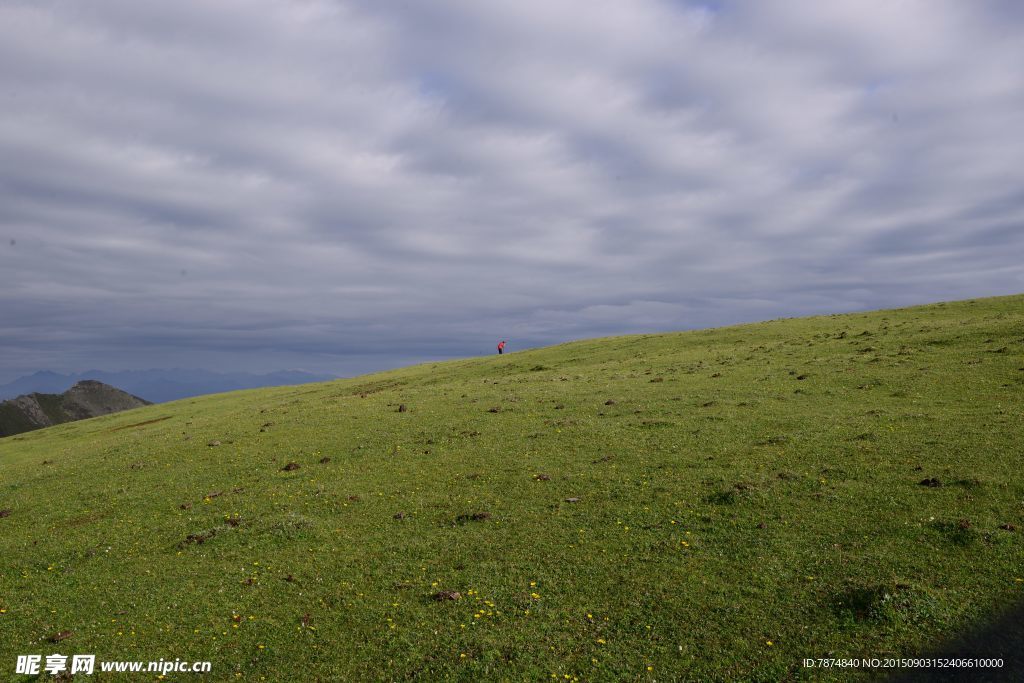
(351, 185)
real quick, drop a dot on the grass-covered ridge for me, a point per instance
(715, 505)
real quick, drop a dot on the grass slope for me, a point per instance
(747, 497)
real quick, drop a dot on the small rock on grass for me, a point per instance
(290, 467)
(441, 596)
(572, 500)
(213, 443)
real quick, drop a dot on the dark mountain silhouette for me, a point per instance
(85, 399)
(159, 386)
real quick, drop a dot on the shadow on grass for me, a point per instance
(1001, 638)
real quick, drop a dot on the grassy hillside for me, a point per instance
(714, 505)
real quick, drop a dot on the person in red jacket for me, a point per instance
(501, 347)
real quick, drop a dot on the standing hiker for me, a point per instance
(501, 347)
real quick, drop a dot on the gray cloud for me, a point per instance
(347, 185)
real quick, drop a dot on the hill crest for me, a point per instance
(87, 398)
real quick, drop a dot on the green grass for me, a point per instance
(748, 496)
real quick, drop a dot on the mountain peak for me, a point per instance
(159, 385)
(87, 398)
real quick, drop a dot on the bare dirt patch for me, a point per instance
(472, 517)
(140, 424)
(198, 539)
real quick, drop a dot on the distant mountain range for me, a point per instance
(158, 386)
(85, 399)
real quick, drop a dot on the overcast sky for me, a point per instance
(346, 186)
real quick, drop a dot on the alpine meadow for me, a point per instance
(708, 505)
